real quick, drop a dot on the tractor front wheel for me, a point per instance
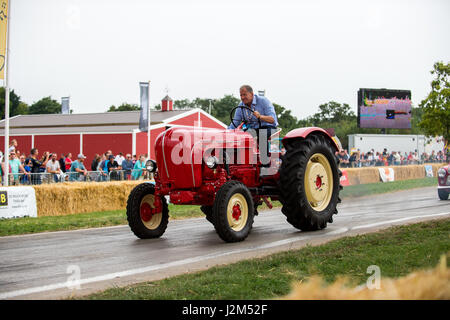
(147, 214)
(233, 212)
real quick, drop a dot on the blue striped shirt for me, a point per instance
(260, 104)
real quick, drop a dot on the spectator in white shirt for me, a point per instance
(119, 158)
(397, 158)
(53, 168)
(12, 146)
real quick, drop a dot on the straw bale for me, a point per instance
(431, 284)
(81, 197)
(363, 175)
(409, 172)
(371, 174)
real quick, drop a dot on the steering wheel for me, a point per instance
(245, 120)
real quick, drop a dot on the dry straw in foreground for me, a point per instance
(421, 285)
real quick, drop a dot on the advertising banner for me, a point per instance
(143, 119)
(344, 179)
(3, 35)
(16, 202)
(65, 105)
(429, 171)
(386, 174)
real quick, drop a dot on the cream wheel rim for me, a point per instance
(237, 212)
(318, 182)
(150, 221)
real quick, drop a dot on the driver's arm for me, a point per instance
(269, 112)
(268, 119)
(236, 119)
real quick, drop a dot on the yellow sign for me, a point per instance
(3, 27)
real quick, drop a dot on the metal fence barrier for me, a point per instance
(379, 163)
(135, 174)
(91, 176)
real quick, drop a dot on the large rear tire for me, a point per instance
(144, 223)
(443, 195)
(233, 212)
(309, 182)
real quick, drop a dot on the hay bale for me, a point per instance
(409, 172)
(81, 197)
(363, 175)
(371, 174)
(415, 171)
(421, 285)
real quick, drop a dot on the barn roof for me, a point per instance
(122, 121)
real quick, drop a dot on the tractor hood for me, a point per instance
(180, 152)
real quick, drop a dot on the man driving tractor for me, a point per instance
(257, 113)
(262, 110)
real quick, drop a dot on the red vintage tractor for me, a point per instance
(227, 174)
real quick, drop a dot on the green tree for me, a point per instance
(182, 104)
(337, 116)
(416, 117)
(436, 106)
(124, 107)
(45, 106)
(222, 107)
(286, 121)
(203, 104)
(22, 108)
(16, 106)
(196, 103)
(333, 112)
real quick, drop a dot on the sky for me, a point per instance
(303, 53)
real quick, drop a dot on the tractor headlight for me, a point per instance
(211, 162)
(441, 173)
(150, 165)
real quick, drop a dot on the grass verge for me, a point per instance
(82, 220)
(398, 251)
(118, 217)
(377, 188)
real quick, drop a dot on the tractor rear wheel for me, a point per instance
(309, 183)
(443, 195)
(207, 210)
(233, 212)
(142, 218)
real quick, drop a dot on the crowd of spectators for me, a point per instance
(32, 169)
(358, 159)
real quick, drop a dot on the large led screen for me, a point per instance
(384, 109)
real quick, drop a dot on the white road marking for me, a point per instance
(132, 272)
(399, 220)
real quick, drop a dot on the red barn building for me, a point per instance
(92, 133)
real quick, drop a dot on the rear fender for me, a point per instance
(305, 132)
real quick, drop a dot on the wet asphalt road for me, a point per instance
(47, 266)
